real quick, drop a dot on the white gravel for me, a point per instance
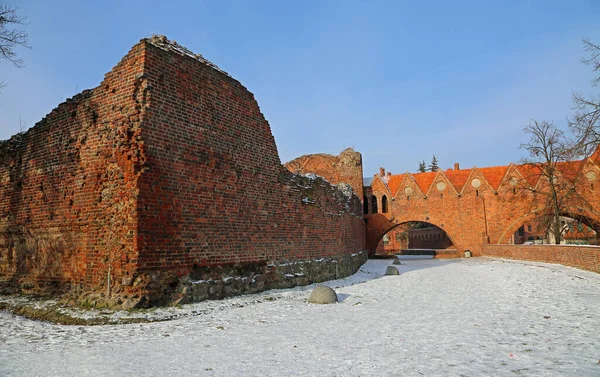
(470, 317)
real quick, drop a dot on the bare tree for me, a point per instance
(11, 36)
(551, 164)
(585, 123)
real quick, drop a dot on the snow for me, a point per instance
(472, 317)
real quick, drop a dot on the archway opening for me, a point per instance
(572, 230)
(414, 237)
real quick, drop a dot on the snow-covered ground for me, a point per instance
(473, 317)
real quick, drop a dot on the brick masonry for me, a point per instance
(343, 168)
(583, 257)
(165, 174)
(403, 237)
(474, 207)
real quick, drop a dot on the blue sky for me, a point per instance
(398, 81)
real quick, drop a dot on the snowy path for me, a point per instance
(477, 317)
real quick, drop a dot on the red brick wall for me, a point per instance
(68, 189)
(397, 240)
(213, 190)
(166, 169)
(583, 257)
(343, 168)
(429, 238)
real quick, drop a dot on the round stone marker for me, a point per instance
(391, 270)
(322, 295)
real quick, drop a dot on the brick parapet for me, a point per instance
(583, 257)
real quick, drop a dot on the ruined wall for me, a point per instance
(213, 191)
(161, 185)
(68, 190)
(345, 167)
(583, 257)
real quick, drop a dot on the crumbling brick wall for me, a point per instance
(68, 193)
(213, 190)
(345, 167)
(165, 175)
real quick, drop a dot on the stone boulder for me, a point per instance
(391, 270)
(396, 261)
(322, 295)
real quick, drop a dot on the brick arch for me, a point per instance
(377, 225)
(588, 218)
(514, 225)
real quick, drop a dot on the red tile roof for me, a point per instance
(531, 172)
(494, 175)
(569, 169)
(394, 182)
(595, 157)
(458, 178)
(424, 180)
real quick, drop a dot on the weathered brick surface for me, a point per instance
(583, 257)
(68, 189)
(166, 169)
(343, 168)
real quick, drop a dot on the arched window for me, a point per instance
(365, 205)
(373, 204)
(384, 204)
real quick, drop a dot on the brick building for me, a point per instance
(477, 206)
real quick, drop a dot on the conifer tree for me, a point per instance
(434, 164)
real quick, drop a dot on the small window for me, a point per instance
(384, 204)
(386, 240)
(529, 228)
(373, 204)
(365, 205)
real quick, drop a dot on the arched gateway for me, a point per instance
(479, 206)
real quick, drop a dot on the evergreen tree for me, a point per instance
(422, 166)
(434, 164)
